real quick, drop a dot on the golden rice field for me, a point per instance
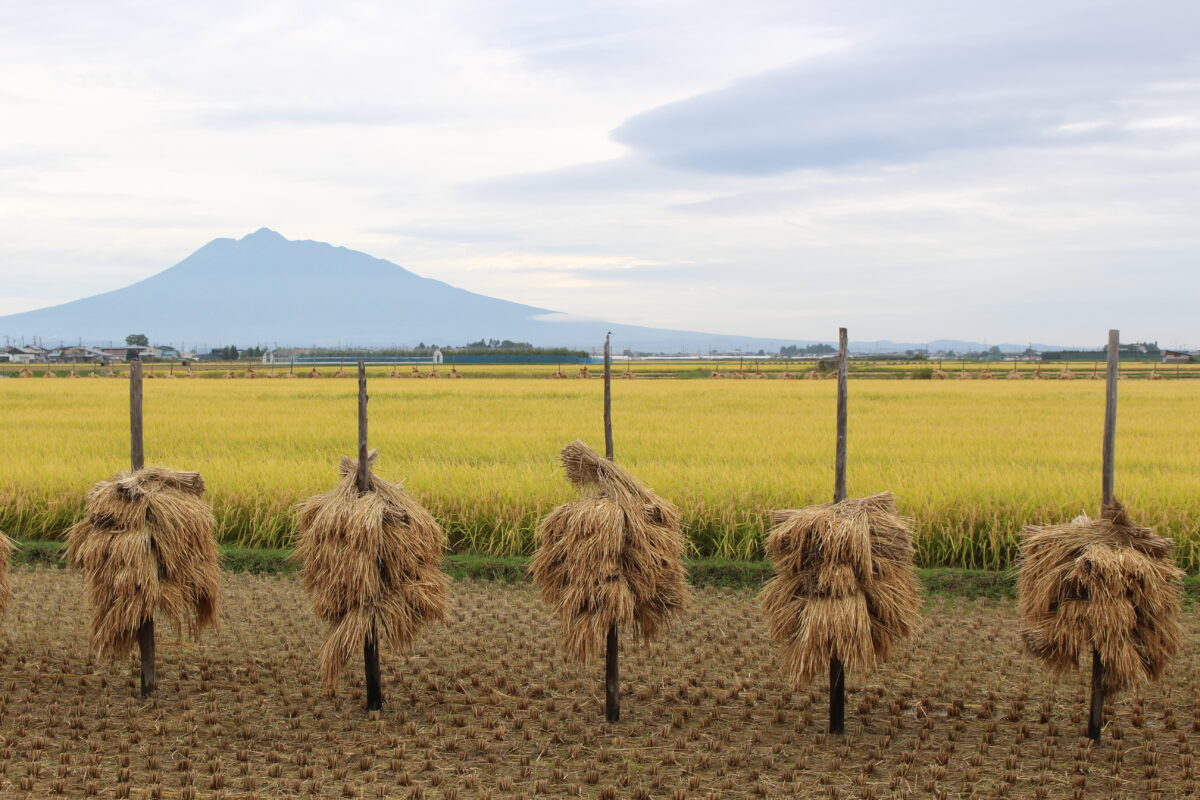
(970, 461)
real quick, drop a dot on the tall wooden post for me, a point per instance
(137, 460)
(372, 674)
(1096, 711)
(612, 665)
(837, 673)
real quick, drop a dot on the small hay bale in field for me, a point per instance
(6, 551)
(314, 373)
(1105, 585)
(371, 563)
(964, 375)
(393, 373)
(250, 373)
(559, 374)
(341, 373)
(271, 373)
(454, 373)
(416, 373)
(940, 375)
(146, 546)
(612, 557)
(986, 375)
(583, 372)
(433, 373)
(73, 374)
(94, 374)
(628, 375)
(814, 375)
(844, 585)
(230, 374)
(49, 374)
(25, 373)
(716, 375)
(1066, 374)
(1154, 376)
(1015, 375)
(786, 376)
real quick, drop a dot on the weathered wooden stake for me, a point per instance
(137, 460)
(1096, 712)
(612, 666)
(837, 673)
(371, 669)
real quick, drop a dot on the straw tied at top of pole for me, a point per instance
(145, 546)
(611, 557)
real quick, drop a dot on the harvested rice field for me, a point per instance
(486, 707)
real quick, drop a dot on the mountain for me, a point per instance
(264, 288)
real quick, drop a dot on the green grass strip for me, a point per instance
(970, 583)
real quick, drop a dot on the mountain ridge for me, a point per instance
(265, 289)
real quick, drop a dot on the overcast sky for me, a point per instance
(1013, 171)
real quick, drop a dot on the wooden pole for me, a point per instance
(137, 460)
(612, 665)
(1096, 711)
(371, 669)
(1110, 415)
(837, 673)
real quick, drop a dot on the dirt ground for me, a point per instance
(485, 707)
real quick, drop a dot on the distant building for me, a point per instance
(1177, 357)
(20, 355)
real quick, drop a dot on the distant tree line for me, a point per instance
(794, 351)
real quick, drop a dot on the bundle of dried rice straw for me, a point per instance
(146, 546)
(612, 557)
(1105, 585)
(371, 563)
(844, 587)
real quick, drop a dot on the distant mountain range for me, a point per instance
(265, 289)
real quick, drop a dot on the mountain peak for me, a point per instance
(264, 235)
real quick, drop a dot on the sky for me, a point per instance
(997, 172)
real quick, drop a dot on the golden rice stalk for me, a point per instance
(146, 546)
(1105, 585)
(371, 563)
(612, 557)
(6, 550)
(844, 585)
